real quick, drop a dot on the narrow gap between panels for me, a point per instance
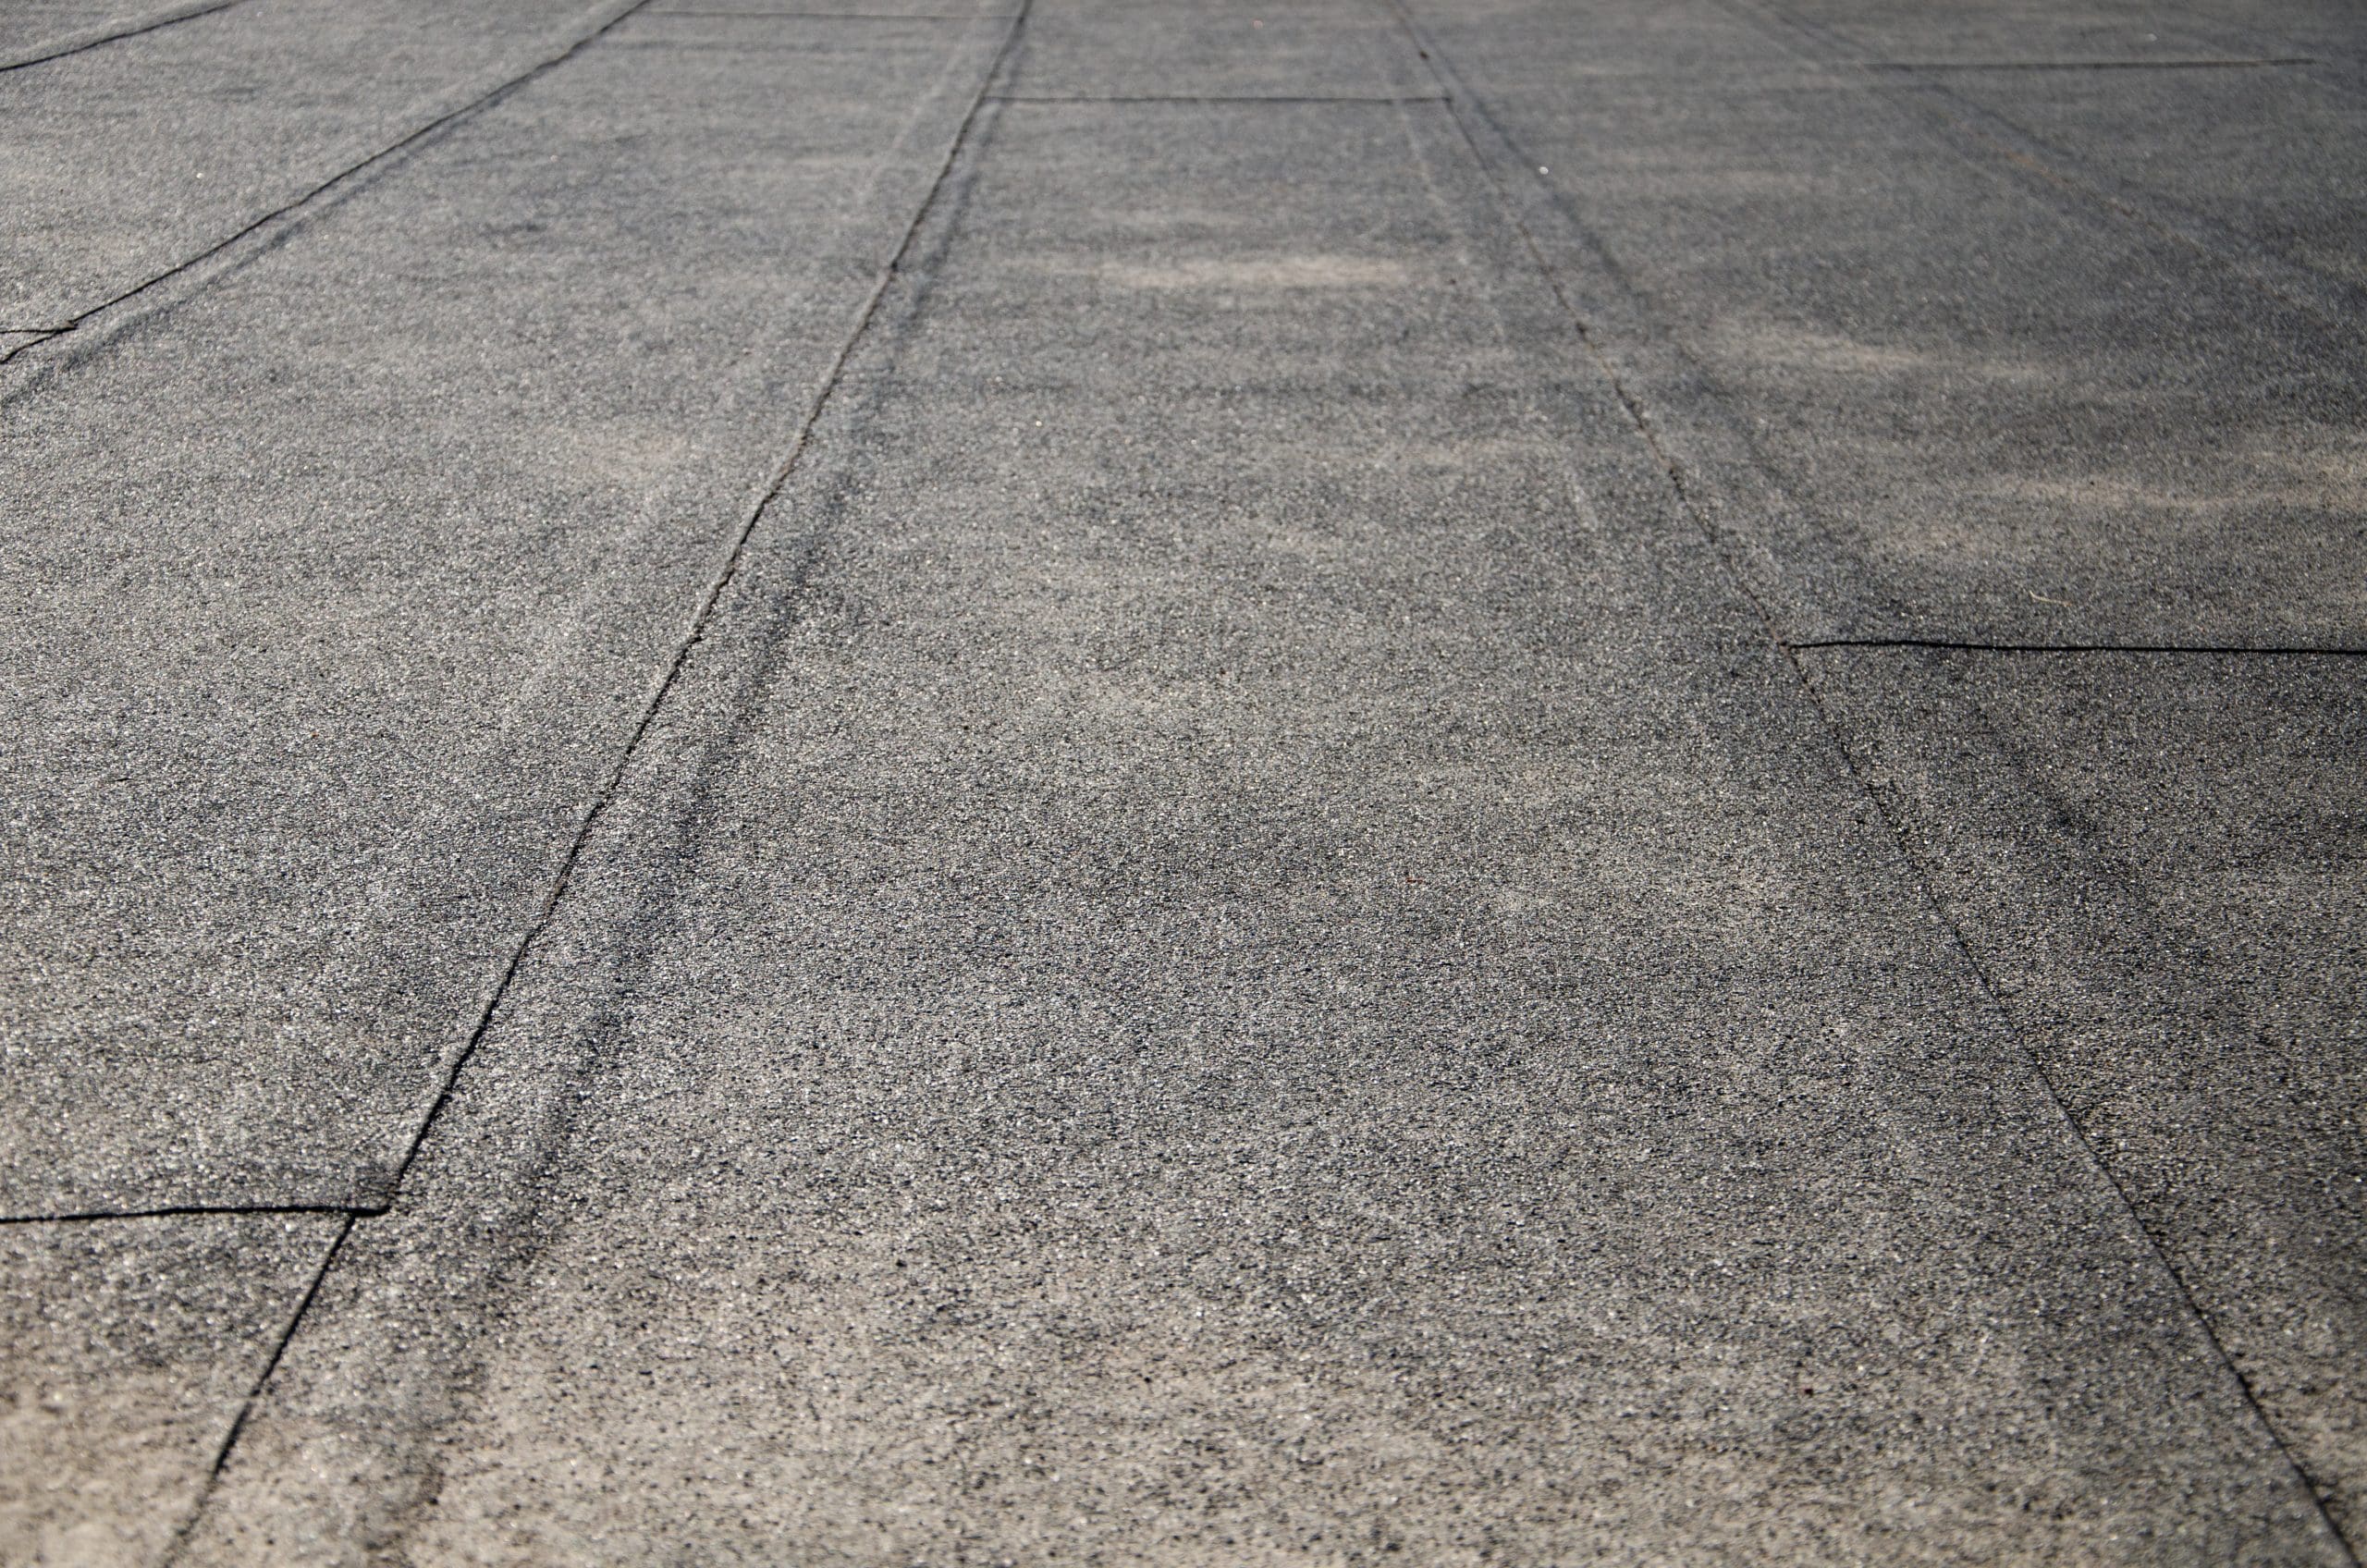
(178, 1210)
(31, 336)
(1715, 539)
(1216, 98)
(2086, 64)
(694, 634)
(837, 15)
(75, 43)
(254, 1393)
(289, 208)
(2202, 650)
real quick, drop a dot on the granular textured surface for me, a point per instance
(1539, 781)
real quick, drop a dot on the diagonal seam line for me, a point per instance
(836, 15)
(254, 1394)
(2154, 1243)
(2198, 650)
(2081, 186)
(690, 642)
(34, 336)
(2086, 64)
(178, 1210)
(1213, 98)
(59, 48)
(290, 209)
(696, 633)
(2072, 179)
(1448, 82)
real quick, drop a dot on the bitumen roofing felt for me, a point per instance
(1514, 781)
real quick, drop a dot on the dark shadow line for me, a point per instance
(649, 44)
(2064, 170)
(33, 338)
(1217, 98)
(2221, 649)
(1691, 507)
(175, 1210)
(254, 1394)
(2085, 64)
(288, 208)
(839, 16)
(77, 44)
(606, 793)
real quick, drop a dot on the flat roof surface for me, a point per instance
(1008, 782)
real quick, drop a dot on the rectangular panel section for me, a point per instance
(335, 590)
(1238, 949)
(1931, 384)
(2164, 861)
(2265, 162)
(30, 29)
(127, 1348)
(1214, 48)
(819, 9)
(124, 161)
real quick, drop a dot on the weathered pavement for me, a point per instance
(1525, 781)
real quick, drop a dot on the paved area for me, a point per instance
(1314, 781)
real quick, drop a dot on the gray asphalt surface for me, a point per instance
(1531, 781)
(298, 769)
